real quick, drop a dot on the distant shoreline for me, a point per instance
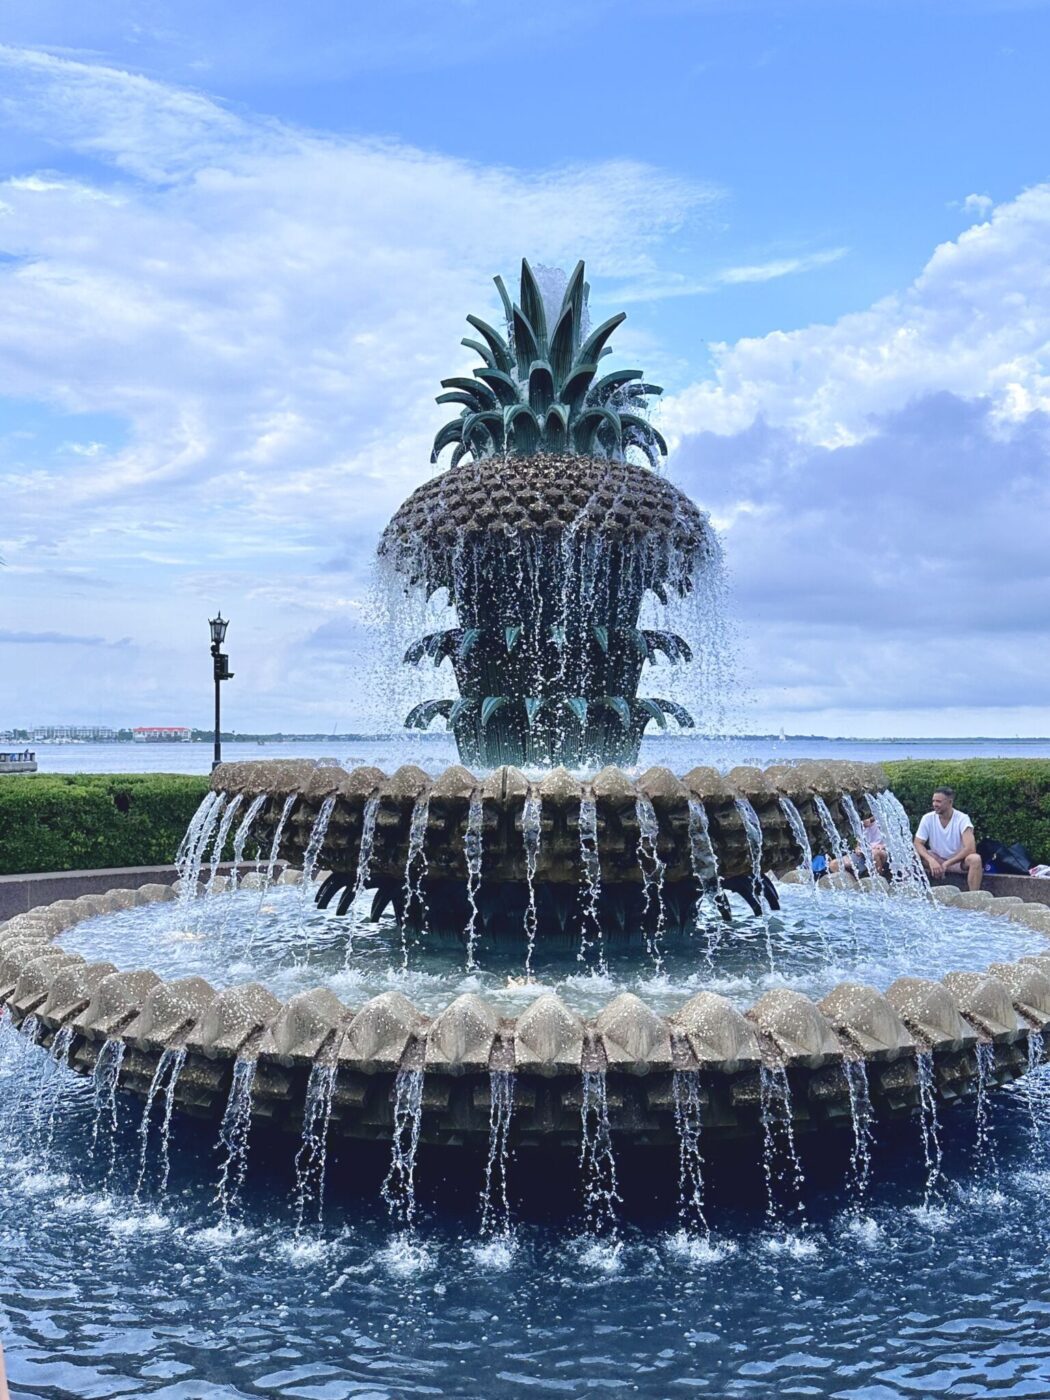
(438, 736)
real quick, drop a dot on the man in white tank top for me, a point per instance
(945, 841)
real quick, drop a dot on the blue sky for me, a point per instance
(237, 245)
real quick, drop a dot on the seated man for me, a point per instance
(945, 841)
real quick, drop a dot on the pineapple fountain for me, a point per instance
(548, 532)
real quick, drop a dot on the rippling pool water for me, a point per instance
(112, 1284)
(102, 1295)
(816, 941)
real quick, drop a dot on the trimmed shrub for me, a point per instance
(91, 821)
(1008, 799)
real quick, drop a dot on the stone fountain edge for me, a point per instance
(547, 1045)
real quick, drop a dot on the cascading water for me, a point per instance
(601, 1195)
(415, 873)
(839, 851)
(836, 843)
(364, 863)
(895, 826)
(275, 844)
(233, 1137)
(1037, 1101)
(703, 862)
(531, 828)
(798, 831)
(687, 1118)
(399, 1188)
(929, 1126)
(473, 849)
(780, 1160)
(753, 833)
(653, 871)
(221, 837)
(240, 839)
(313, 847)
(105, 1079)
(191, 840)
(495, 1206)
(147, 1113)
(311, 1158)
(856, 1072)
(204, 820)
(986, 1163)
(591, 933)
(178, 1060)
(60, 1051)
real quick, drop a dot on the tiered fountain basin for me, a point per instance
(409, 818)
(963, 1029)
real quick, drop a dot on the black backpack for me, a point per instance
(1005, 860)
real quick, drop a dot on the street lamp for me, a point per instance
(221, 672)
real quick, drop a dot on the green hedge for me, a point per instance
(90, 821)
(1007, 799)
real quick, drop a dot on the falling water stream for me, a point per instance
(591, 932)
(929, 1127)
(688, 1117)
(495, 1203)
(105, 1079)
(653, 871)
(416, 912)
(233, 1138)
(218, 850)
(399, 1188)
(240, 839)
(601, 1195)
(311, 1158)
(798, 831)
(780, 1159)
(364, 864)
(531, 827)
(473, 850)
(314, 845)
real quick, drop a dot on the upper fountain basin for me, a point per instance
(365, 797)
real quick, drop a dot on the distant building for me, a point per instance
(71, 733)
(161, 734)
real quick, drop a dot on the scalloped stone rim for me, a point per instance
(1002, 1008)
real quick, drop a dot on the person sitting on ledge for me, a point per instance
(945, 841)
(857, 863)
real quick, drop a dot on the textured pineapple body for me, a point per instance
(615, 503)
(546, 561)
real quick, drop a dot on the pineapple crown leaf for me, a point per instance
(536, 390)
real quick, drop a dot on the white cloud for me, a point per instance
(884, 491)
(661, 287)
(269, 311)
(978, 204)
(975, 322)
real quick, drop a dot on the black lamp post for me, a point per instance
(221, 672)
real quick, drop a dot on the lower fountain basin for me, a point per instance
(637, 1031)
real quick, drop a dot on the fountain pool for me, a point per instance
(901, 1301)
(817, 939)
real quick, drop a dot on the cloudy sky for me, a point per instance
(237, 244)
